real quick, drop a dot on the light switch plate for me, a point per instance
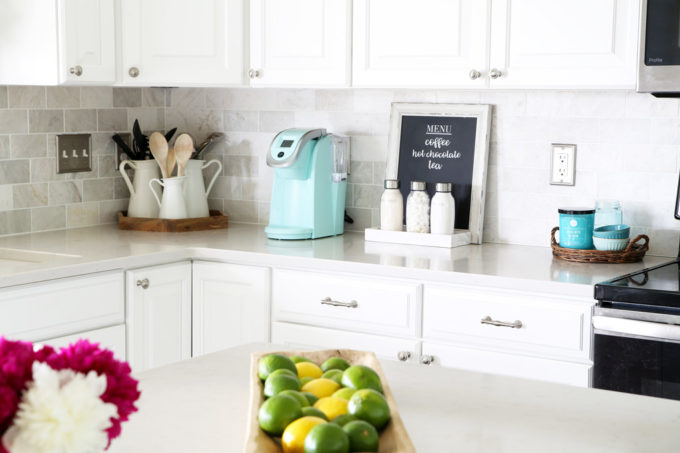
(74, 153)
(563, 165)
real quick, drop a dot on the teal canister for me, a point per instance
(576, 227)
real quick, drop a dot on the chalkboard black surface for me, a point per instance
(439, 149)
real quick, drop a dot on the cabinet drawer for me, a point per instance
(548, 325)
(296, 336)
(112, 338)
(507, 364)
(379, 306)
(61, 307)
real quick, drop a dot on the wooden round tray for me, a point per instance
(631, 254)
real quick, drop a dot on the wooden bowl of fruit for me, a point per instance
(332, 401)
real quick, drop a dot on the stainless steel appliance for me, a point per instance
(659, 49)
(637, 331)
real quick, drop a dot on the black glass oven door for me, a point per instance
(662, 34)
(634, 365)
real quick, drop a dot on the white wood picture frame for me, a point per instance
(479, 172)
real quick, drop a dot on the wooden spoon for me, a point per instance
(159, 149)
(184, 147)
(172, 160)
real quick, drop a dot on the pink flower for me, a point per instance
(9, 402)
(16, 361)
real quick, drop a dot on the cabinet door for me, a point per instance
(158, 315)
(425, 43)
(87, 42)
(230, 306)
(300, 42)
(579, 44)
(493, 362)
(112, 338)
(296, 336)
(179, 43)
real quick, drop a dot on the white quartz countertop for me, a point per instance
(201, 405)
(102, 248)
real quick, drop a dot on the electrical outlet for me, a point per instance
(74, 153)
(121, 155)
(563, 165)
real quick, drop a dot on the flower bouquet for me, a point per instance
(68, 401)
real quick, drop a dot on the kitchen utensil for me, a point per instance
(609, 244)
(212, 139)
(172, 205)
(170, 133)
(140, 142)
(159, 149)
(141, 203)
(126, 149)
(195, 192)
(620, 231)
(184, 148)
(172, 160)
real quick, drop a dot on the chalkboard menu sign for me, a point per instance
(443, 143)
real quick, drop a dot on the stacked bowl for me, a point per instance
(611, 237)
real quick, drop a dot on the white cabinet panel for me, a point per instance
(175, 43)
(300, 42)
(60, 307)
(305, 337)
(427, 43)
(87, 41)
(508, 364)
(230, 306)
(579, 43)
(158, 316)
(112, 338)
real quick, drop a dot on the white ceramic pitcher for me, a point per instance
(141, 203)
(195, 192)
(172, 205)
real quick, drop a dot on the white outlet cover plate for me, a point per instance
(563, 164)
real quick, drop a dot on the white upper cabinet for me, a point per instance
(564, 44)
(180, 43)
(300, 42)
(424, 43)
(87, 42)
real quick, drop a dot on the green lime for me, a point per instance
(342, 420)
(282, 371)
(370, 406)
(326, 438)
(334, 374)
(314, 412)
(302, 399)
(305, 380)
(361, 377)
(335, 363)
(273, 362)
(362, 436)
(278, 383)
(344, 393)
(299, 358)
(312, 398)
(277, 412)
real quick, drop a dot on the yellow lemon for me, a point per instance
(293, 439)
(332, 406)
(308, 369)
(321, 387)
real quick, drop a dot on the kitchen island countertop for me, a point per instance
(201, 405)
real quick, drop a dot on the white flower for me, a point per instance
(61, 412)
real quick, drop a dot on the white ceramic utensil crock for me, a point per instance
(195, 192)
(141, 203)
(172, 205)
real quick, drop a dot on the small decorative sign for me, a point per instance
(443, 143)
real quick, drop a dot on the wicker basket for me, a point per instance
(631, 254)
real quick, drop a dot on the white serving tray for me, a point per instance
(458, 238)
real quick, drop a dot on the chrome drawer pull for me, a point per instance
(336, 303)
(493, 322)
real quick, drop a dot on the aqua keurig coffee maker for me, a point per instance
(310, 182)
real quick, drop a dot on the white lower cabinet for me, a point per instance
(305, 337)
(158, 315)
(112, 338)
(230, 306)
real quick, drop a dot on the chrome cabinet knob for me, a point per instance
(426, 359)
(475, 74)
(76, 70)
(143, 283)
(495, 73)
(403, 356)
(254, 73)
(133, 72)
